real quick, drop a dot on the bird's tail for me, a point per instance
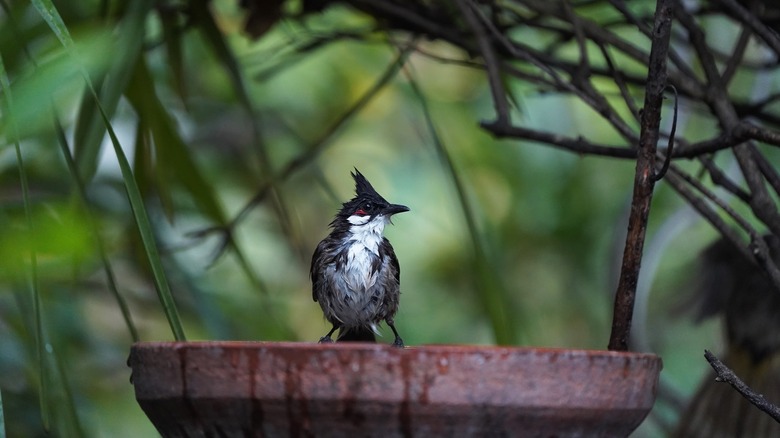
(356, 334)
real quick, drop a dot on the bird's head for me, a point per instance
(366, 208)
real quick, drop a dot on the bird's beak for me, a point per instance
(394, 208)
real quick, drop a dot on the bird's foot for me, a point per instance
(326, 340)
(398, 343)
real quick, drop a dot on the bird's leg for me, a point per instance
(398, 342)
(327, 339)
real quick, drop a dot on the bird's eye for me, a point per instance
(365, 209)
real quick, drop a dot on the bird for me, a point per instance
(355, 273)
(740, 291)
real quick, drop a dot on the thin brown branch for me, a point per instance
(525, 53)
(761, 202)
(580, 83)
(763, 135)
(678, 61)
(670, 145)
(766, 168)
(740, 133)
(709, 194)
(577, 145)
(676, 180)
(758, 248)
(735, 60)
(412, 16)
(725, 374)
(620, 81)
(579, 35)
(492, 64)
(760, 104)
(752, 22)
(719, 178)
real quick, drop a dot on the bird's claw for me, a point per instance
(326, 340)
(398, 343)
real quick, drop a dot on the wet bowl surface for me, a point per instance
(307, 389)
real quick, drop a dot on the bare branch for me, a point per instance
(492, 65)
(759, 250)
(577, 145)
(725, 374)
(766, 168)
(719, 178)
(740, 133)
(675, 178)
(736, 58)
(620, 81)
(762, 31)
(670, 146)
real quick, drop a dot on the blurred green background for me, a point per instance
(525, 250)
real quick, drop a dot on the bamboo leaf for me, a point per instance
(142, 161)
(49, 13)
(173, 157)
(89, 137)
(89, 131)
(133, 193)
(147, 234)
(68, 411)
(149, 174)
(202, 16)
(43, 393)
(2, 416)
(173, 49)
(101, 247)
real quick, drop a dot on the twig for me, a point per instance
(492, 64)
(670, 146)
(677, 60)
(759, 251)
(584, 66)
(725, 374)
(753, 23)
(719, 178)
(643, 181)
(677, 181)
(619, 78)
(766, 168)
(740, 133)
(578, 84)
(578, 145)
(735, 60)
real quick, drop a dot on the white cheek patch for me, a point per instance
(358, 220)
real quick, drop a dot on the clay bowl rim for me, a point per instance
(463, 349)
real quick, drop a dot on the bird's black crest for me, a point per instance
(362, 186)
(364, 191)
